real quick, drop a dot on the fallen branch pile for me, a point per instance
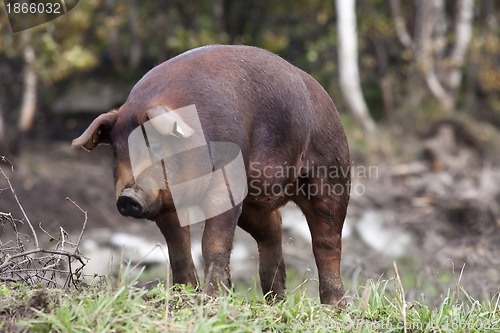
(24, 259)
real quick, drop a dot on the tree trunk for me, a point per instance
(135, 56)
(425, 53)
(384, 79)
(442, 73)
(6, 82)
(218, 14)
(29, 97)
(3, 136)
(400, 25)
(113, 26)
(28, 106)
(463, 32)
(348, 64)
(163, 26)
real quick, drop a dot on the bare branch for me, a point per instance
(9, 258)
(35, 238)
(427, 16)
(437, 88)
(463, 32)
(39, 265)
(85, 219)
(400, 25)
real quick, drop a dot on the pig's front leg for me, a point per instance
(179, 249)
(217, 244)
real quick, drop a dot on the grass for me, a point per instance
(122, 306)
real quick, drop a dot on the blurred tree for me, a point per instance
(484, 71)
(135, 31)
(44, 54)
(3, 143)
(30, 78)
(406, 55)
(348, 63)
(440, 61)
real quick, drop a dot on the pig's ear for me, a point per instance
(168, 123)
(97, 133)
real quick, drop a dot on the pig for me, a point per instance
(292, 144)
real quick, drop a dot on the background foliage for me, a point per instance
(120, 40)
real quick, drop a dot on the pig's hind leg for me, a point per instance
(325, 208)
(265, 227)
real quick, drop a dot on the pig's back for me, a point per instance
(244, 95)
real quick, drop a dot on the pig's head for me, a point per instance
(145, 196)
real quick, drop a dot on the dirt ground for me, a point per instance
(429, 247)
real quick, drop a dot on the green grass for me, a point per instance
(121, 306)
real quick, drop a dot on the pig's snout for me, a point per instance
(130, 204)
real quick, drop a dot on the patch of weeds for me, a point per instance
(19, 302)
(376, 306)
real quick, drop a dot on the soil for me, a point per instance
(48, 172)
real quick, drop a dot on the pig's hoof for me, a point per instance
(336, 298)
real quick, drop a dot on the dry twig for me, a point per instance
(38, 265)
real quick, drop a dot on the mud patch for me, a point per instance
(13, 310)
